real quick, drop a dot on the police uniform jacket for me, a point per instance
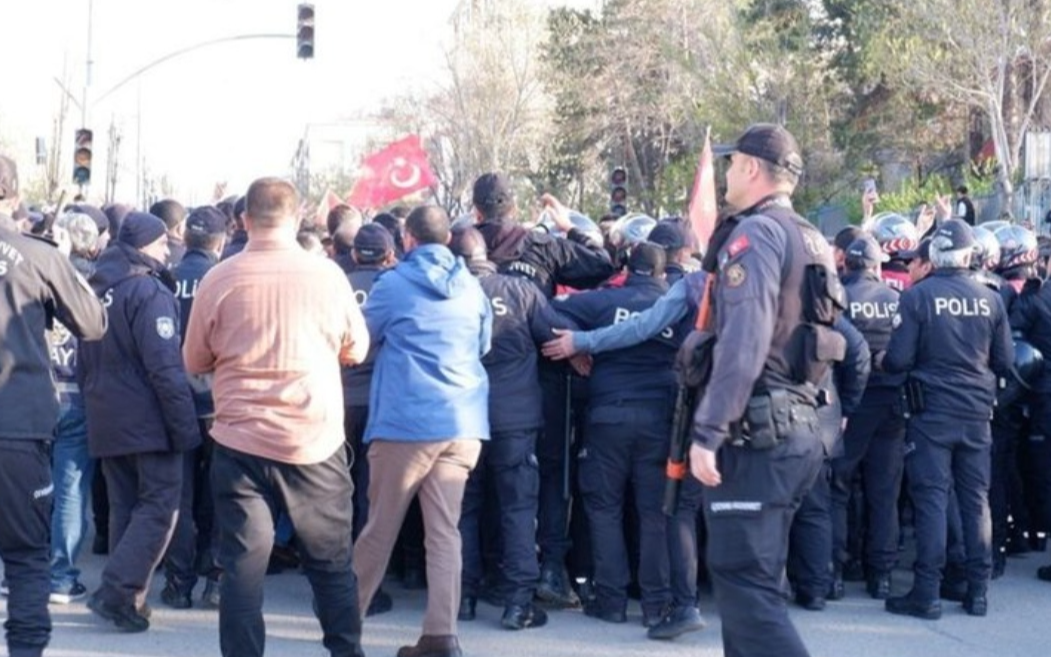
(953, 337)
(133, 380)
(358, 379)
(757, 309)
(38, 285)
(846, 382)
(576, 261)
(237, 243)
(188, 274)
(640, 372)
(871, 307)
(1030, 315)
(522, 319)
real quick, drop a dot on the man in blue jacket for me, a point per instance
(140, 414)
(428, 415)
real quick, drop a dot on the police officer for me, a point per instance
(874, 440)
(756, 441)
(38, 285)
(896, 236)
(191, 546)
(674, 235)
(1031, 317)
(580, 261)
(629, 422)
(678, 304)
(371, 255)
(522, 319)
(141, 416)
(810, 554)
(953, 340)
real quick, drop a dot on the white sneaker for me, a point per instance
(76, 592)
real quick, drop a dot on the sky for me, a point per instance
(229, 112)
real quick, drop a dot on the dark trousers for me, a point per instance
(144, 492)
(874, 444)
(627, 445)
(1009, 428)
(810, 542)
(950, 453)
(354, 429)
(507, 467)
(25, 543)
(682, 543)
(249, 490)
(191, 550)
(552, 533)
(749, 516)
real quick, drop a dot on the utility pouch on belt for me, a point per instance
(767, 420)
(913, 394)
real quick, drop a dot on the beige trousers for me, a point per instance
(398, 471)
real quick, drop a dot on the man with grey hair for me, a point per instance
(72, 467)
(953, 339)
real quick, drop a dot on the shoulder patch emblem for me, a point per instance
(738, 246)
(734, 275)
(166, 327)
(812, 243)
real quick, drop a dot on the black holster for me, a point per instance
(912, 397)
(771, 417)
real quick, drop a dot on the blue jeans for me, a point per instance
(72, 470)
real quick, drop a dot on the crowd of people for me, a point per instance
(484, 407)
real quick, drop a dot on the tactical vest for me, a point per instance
(811, 298)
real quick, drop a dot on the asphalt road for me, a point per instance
(1017, 626)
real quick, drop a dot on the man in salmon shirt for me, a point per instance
(273, 324)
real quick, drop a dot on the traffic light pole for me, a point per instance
(183, 51)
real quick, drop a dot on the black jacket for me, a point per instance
(133, 380)
(953, 338)
(846, 382)
(38, 286)
(871, 307)
(641, 372)
(357, 380)
(1030, 315)
(522, 319)
(237, 243)
(188, 274)
(575, 261)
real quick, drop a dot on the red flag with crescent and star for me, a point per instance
(392, 173)
(703, 208)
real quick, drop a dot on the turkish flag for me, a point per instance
(392, 173)
(703, 209)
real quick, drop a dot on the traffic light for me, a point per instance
(618, 192)
(305, 31)
(82, 157)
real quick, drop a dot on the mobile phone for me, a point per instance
(870, 186)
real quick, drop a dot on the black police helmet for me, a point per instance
(1027, 368)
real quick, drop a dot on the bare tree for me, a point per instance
(488, 111)
(973, 52)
